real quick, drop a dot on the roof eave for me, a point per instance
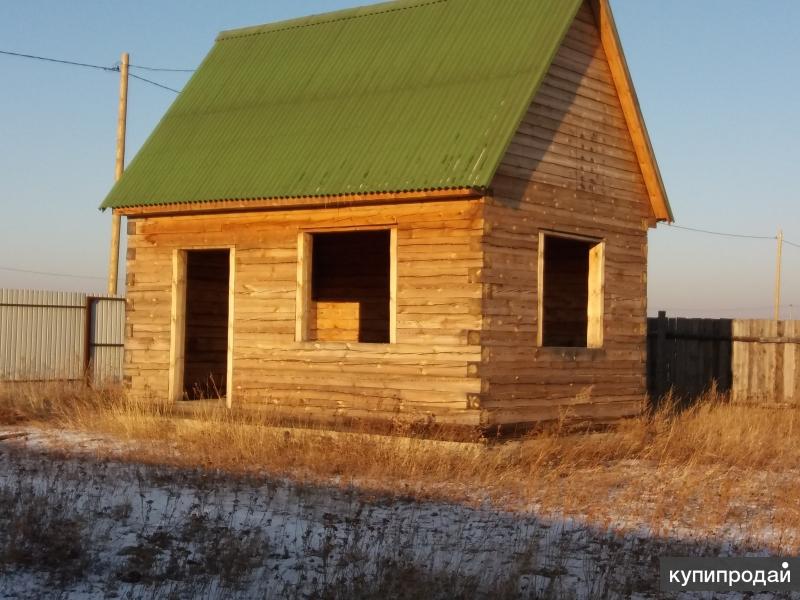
(298, 202)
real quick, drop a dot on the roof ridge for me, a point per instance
(311, 20)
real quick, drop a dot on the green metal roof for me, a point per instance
(406, 95)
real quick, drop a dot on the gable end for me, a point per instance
(583, 129)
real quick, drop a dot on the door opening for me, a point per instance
(205, 353)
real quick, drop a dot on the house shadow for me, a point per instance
(551, 105)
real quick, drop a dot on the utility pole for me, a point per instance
(778, 277)
(116, 218)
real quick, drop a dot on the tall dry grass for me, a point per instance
(708, 467)
(55, 402)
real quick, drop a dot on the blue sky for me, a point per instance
(715, 79)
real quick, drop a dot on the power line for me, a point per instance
(161, 69)
(59, 60)
(155, 83)
(51, 274)
(733, 235)
(785, 241)
(113, 68)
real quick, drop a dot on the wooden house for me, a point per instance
(422, 209)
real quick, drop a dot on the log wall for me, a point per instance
(571, 168)
(430, 370)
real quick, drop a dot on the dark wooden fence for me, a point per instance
(686, 355)
(757, 361)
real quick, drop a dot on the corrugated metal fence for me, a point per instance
(47, 336)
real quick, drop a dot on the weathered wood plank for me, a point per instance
(571, 168)
(436, 302)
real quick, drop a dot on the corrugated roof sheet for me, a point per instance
(408, 95)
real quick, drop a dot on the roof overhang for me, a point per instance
(272, 204)
(612, 46)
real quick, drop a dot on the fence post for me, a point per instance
(87, 339)
(661, 355)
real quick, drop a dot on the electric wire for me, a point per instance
(114, 68)
(723, 234)
(50, 273)
(60, 61)
(796, 245)
(161, 69)
(735, 235)
(155, 83)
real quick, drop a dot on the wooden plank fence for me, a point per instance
(766, 362)
(60, 336)
(756, 361)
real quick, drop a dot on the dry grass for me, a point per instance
(36, 536)
(709, 469)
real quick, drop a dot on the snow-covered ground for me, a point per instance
(72, 526)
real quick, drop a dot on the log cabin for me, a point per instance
(421, 209)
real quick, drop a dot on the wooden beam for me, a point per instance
(540, 290)
(87, 339)
(305, 247)
(122, 116)
(596, 303)
(267, 204)
(661, 356)
(231, 323)
(113, 261)
(177, 346)
(609, 37)
(778, 266)
(116, 217)
(393, 285)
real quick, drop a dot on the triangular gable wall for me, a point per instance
(630, 107)
(576, 133)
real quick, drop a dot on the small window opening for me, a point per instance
(571, 293)
(206, 342)
(350, 289)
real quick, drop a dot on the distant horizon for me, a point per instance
(716, 100)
